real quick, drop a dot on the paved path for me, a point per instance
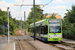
(7, 46)
(4, 39)
(68, 40)
(1, 46)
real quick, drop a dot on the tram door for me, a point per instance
(40, 31)
(44, 31)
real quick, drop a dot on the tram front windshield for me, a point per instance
(55, 29)
(54, 26)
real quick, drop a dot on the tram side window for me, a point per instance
(44, 29)
(39, 30)
(32, 30)
(36, 29)
(28, 29)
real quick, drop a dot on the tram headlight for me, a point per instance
(60, 36)
(51, 36)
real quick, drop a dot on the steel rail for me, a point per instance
(26, 41)
(68, 44)
(65, 44)
(19, 43)
(57, 46)
(32, 45)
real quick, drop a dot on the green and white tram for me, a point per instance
(47, 30)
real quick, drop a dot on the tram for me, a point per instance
(47, 30)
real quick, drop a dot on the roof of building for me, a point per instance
(58, 17)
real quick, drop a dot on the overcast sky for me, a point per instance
(56, 6)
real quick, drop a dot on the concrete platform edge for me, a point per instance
(14, 46)
(9, 46)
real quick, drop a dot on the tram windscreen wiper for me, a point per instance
(53, 32)
(55, 29)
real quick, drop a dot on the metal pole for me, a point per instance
(25, 22)
(41, 17)
(21, 24)
(8, 23)
(34, 17)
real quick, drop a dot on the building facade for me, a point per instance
(47, 15)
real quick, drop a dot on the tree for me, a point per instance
(14, 24)
(38, 14)
(53, 16)
(1, 30)
(69, 24)
(71, 14)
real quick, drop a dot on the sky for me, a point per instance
(55, 6)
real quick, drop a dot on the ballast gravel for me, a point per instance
(43, 46)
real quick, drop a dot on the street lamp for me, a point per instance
(25, 22)
(34, 18)
(8, 22)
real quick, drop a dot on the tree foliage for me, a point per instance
(13, 23)
(38, 14)
(53, 16)
(69, 24)
(71, 15)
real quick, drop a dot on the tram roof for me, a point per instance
(38, 22)
(31, 25)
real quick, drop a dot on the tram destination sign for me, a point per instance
(54, 21)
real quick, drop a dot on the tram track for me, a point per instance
(60, 46)
(69, 44)
(18, 45)
(24, 44)
(64, 46)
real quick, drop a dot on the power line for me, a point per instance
(19, 15)
(47, 3)
(32, 4)
(34, 12)
(21, 7)
(22, 3)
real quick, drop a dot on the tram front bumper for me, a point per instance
(55, 39)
